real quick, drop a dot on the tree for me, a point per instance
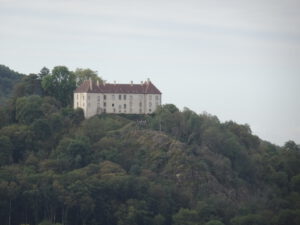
(44, 72)
(214, 222)
(28, 109)
(8, 78)
(21, 140)
(296, 183)
(86, 74)
(186, 217)
(41, 129)
(4, 118)
(249, 220)
(73, 153)
(29, 85)
(291, 146)
(5, 151)
(60, 84)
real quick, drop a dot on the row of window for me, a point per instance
(113, 105)
(120, 97)
(124, 111)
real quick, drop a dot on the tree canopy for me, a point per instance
(179, 168)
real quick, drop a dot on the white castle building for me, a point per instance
(96, 98)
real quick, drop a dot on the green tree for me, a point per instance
(44, 72)
(4, 118)
(291, 146)
(28, 109)
(214, 222)
(86, 74)
(8, 79)
(288, 216)
(73, 153)
(250, 219)
(29, 85)
(41, 129)
(186, 217)
(60, 84)
(5, 151)
(296, 183)
(159, 220)
(22, 140)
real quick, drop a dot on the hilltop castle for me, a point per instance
(96, 98)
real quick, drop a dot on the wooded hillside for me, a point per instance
(174, 168)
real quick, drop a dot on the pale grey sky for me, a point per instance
(238, 60)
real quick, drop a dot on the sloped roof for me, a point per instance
(144, 88)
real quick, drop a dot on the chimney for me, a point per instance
(114, 82)
(104, 82)
(91, 84)
(148, 80)
(141, 82)
(131, 83)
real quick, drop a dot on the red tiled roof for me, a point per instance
(145, 88)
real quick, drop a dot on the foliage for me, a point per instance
(29, 85)
(60, 84)
(8, 79)
(179, 168)
(86, 74)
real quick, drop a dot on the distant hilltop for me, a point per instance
(96, 97)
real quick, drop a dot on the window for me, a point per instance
(98, 99)
(113, 97)
(130, 103)
(83, 97)
(140, 110)
(124, 97)
(150, 104)
(120, 106)
(114, 110)
(77, 104)
(156, 97)
(120, 97)
(104, 104)
(141, 104)
(113, 105)
(82, 104)
(77, 95)
(104, 97)
(124, 106)
(130, 97)
(150, 97)
(130, 110)
(149, 110)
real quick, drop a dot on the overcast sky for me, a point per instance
(238, 60)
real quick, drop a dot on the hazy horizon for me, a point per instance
(238, 60)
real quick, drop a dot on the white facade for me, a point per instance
(117, 103)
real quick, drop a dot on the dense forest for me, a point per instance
(8, 79)
(175, 167)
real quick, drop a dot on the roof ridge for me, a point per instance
(144, 88)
